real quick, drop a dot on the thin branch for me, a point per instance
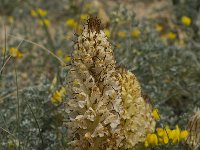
(18, 105)
(36, 124)
(41, 46)
(8, 132)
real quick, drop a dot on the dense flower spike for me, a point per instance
(105, 106)
(137, 119)
(193, 140)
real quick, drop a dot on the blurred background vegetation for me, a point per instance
(156, 39)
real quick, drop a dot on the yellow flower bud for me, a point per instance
(67, 59)
(155, 114)
(71, 23)
(160, 131)
(14, 52)
(183, 135)
(158, 27)
(171, 36)
(186, 20)
(45, 22)
(135, 33)
(33, 13)
(121, 34)
(41, 12)
(84, 16)
(107, 32)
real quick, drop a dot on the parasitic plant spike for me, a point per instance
(104, 103)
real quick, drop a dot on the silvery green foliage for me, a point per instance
(169, 74)
(8, 6)
(35, 110)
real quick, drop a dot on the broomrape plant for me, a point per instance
(105, 107)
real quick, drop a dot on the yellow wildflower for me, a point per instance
(160, 131)
(121, 34)
(152, 140)
(186, 20)
(59, 53)
(175, 135)
(57, 95)
(107, 32)
(158, 27)
(163, 137)
(45, 22)
(14, 52)
(183, 135)
(39, 11)
(67, 59)
(155, 114)
(42, 12)
(33, 13)
(71, 23)
(146, 144)
(135, 33)
(168, 130)
(84, 16)
(171, 36)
